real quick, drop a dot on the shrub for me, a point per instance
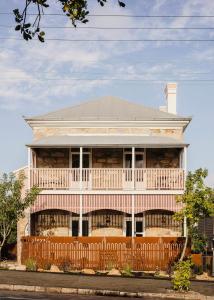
(182, 274)
(127, 270)
(46, 265)
(31, 264)
(65, 265)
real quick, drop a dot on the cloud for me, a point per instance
(37, 74)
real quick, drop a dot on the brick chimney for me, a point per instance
(170, 92)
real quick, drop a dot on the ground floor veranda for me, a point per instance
(104, 215)
(101, 230)
(91, 216)
(105, 222)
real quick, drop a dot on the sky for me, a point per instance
(37, 78)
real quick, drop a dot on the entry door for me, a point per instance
(138, 228)
(139, 164)
(128, 228)
(138, 160)
(85, 227)
(75, 160)
(75, 228)
(75, 164)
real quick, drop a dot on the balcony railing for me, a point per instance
(107, 179)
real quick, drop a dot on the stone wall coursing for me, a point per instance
(107, 158)
(22, 227)
(41, 132)
(107, 232)
(56, 231)
(52, 158)
(162, 158)
(161, 232)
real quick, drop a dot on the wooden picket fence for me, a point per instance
(103, 253)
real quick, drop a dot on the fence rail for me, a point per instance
(108, 179)
(103, 253)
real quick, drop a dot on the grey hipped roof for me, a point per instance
(107, 108)
(99, 141)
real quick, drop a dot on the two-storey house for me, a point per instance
(107, 167)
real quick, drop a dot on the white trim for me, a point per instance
(144, 158)
(133, 167)
(185, 227)
(29, 167)
(144, 223)
(133, 217)
(81, 198)
(183, 123)
(80, 215)
(185, 162)
(70, 158)
(80, 163)
(165, 121)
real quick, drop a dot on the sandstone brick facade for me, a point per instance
(162, 158)
(52, 158)
(107, 158)
(42, 132)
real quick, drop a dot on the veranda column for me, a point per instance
(185, 175)
(133, 186)
(81, 196)
(28, 188)
(29, 167)
(144, 223)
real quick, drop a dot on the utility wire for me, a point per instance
(116, 79)
(121, 15)
(114, 40)
(119, 28)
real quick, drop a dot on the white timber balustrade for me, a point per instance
(108, 179)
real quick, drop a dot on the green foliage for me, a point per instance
(199, 242)
(31, 264)
(127, 270)
(75, 10)
(198, 202)
(13, 205)
(182, 275)
(197, 198)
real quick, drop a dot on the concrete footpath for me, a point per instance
(100, 285)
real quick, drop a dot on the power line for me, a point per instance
(119, 28)
(115, 79)
(113, 40)
(121, 15)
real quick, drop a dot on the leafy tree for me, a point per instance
(198, 201)
(12, 204)
(182, 275)
(75, 10)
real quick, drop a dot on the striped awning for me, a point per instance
(118, 202)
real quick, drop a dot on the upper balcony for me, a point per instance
(107, 179)
(109, 169)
